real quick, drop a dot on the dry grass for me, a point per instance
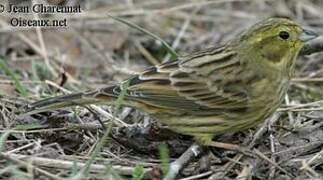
(95, 50)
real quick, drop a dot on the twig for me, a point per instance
(245, 173)
(272, 149)
(28, 165)
(63, 164)
(289, 113)
(307, 80)
(227, 167)
(181, 33)
(36, 131)
(21, 147)
(179, 163)
(315, 103)
(198, 176)
(152, 60)
(296, 151)
(264, 128)
(315, 158)
(42, 44)
(258, 135)
(308, 168)
(262, 156)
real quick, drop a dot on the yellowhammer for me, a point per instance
(225, 89)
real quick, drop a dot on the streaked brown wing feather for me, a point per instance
(218, 75)
(185, 84)
(153, 87)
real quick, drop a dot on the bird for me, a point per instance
(223, 89)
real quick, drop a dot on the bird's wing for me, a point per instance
(207, 81)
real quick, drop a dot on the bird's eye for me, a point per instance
(284, 35)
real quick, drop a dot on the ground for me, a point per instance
(95, 50)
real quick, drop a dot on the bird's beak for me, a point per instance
(308, 35)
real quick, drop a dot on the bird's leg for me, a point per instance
(206, 140)
(227, 146)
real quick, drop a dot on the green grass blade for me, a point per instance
(169, 49)
(118, 103)
(3, 139)
(138, 173)
(25, 127)
(103, 140)
(164, 157)
(21, 89)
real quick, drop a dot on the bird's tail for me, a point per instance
(71, 100)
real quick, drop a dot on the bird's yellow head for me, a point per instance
(276, 38)
(277, 41)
